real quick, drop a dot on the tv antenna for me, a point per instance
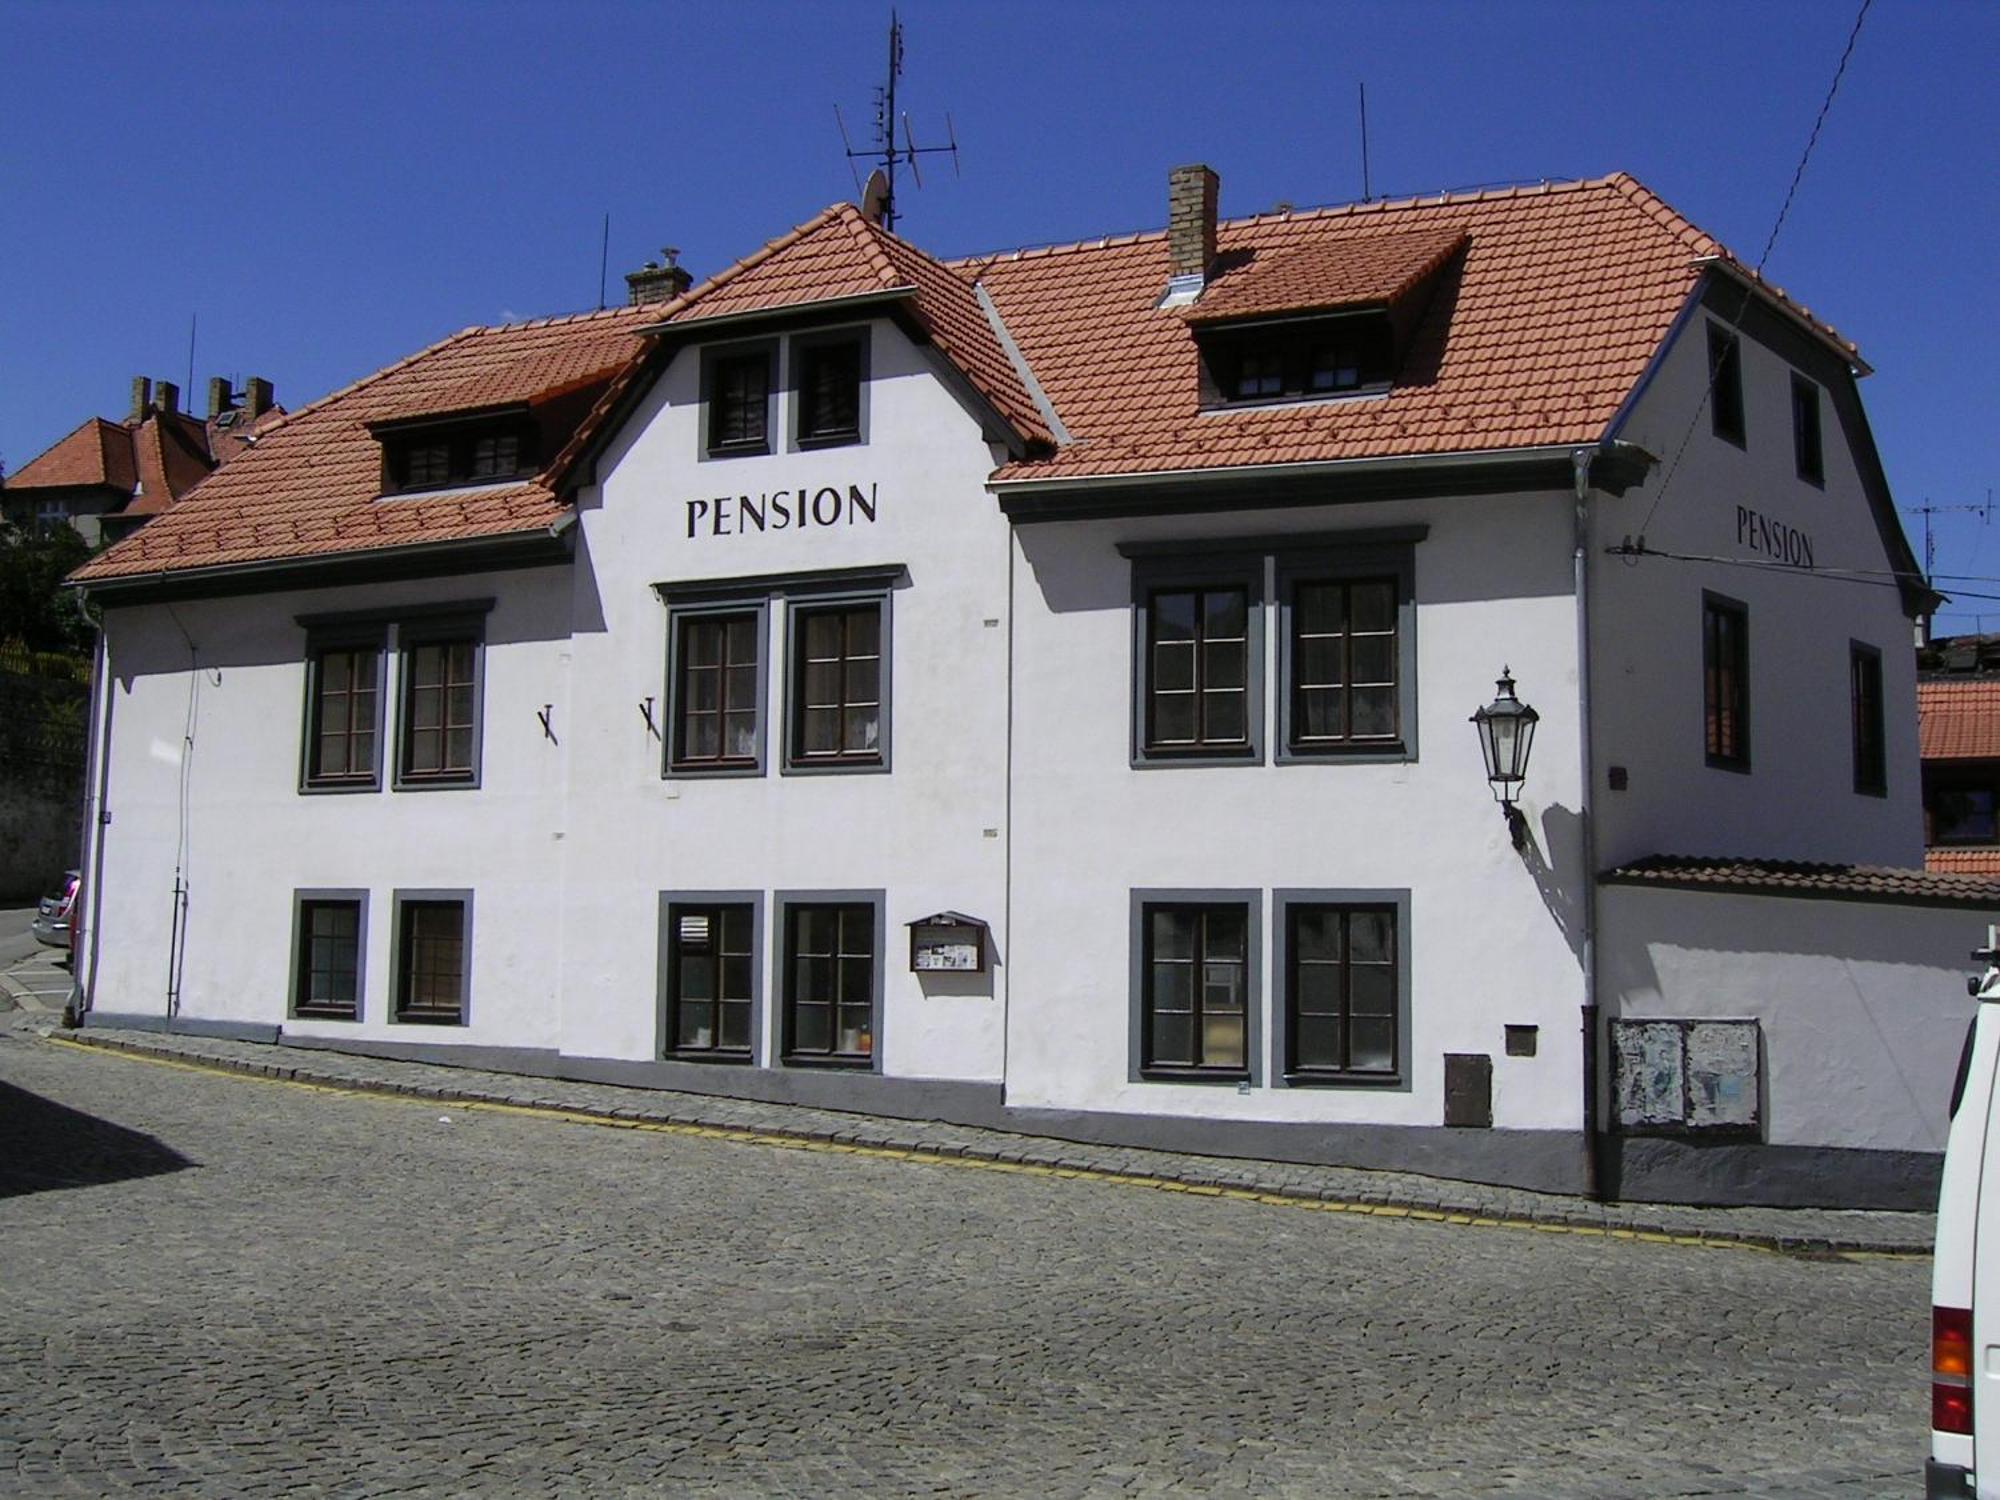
(1927, 510)
(878, 195)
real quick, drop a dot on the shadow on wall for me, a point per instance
(1562, 836)
(45, 1145)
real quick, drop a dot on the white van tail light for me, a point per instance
(1951, 1369)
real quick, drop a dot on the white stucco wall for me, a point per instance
(929, 833)
(1492, 931)
(1798, 800)
(1862, 1007)
(252, 839)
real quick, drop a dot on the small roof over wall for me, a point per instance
(1883, 884)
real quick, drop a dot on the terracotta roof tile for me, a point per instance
(1322, 275)
(97, 453)
(827, 257)
(310, 486)
(1958, 719)
(1962, 861)
(1780, 877)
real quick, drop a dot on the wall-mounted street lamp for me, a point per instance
(1506, 735)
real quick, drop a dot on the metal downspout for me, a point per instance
(1587, 955)
(96, 818)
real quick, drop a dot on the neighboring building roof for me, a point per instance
(1962, 861)
(1545, 308)
(97, 453)
(1958, 719)
(1782, 877)
(148, 463)
(311, 484)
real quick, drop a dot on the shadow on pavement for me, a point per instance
(45, 1145)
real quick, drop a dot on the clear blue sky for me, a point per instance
(328, 187)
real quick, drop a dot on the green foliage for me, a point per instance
(35, 609)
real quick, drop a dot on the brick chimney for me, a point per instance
(142, 397)
(658, 283)
(220, 396)
(1191, 194)
(258, 397)
(167, 398)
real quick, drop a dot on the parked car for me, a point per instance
(52, 917)
(1965, 1268)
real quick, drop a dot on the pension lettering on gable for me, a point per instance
(829, 505)
(1774, 539)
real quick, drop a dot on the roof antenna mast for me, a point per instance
(1367, 196)
(878, 195)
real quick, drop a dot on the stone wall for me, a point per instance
(44, 724)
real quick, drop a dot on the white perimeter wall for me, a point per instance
(1863, 1007)
(251, 839)
(919, 833)
(1492, 931)
(1798, 799)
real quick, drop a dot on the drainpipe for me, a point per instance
(1587, 955)
(83, 992)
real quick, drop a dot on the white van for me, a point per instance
(1965, 1269)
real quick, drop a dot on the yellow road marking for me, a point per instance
(747, 1136)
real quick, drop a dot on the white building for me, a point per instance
(617, 696)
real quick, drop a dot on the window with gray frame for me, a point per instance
(1725, 667)
(326, 963)
(344, 712)
(839, 679)
(832, 982)
(1196, 982)
(737, 389)
(1807, 454)
(829, 384)
(717, 690)
(1198, 650)
(438, 717)
(432, 933)
(1347, 654)
(1725, 385)
(1871, 760)
(710, 979)
(1343, 991)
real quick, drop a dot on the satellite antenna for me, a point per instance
(878, 196)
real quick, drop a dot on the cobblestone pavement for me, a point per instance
(227, 1286)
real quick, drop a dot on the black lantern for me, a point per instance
(1506, 735)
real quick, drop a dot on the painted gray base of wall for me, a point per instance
(1737, 1174)
(1633, 1169)
(229, 1031)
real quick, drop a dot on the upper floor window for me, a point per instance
(1871, 764)
(828, 388)
(1725, 384)
(737, 388)
(1806, 451)
(1297, 361)
(438, 714)
(439, 457)
(344, 712)
(717, 690)
(1344, 665)
(838, 697)
(1725, 668)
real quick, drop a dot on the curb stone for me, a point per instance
(1804, 1232)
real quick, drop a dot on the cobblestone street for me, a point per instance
(219, 1285)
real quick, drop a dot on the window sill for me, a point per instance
(1385, 753)
(805, 443)
(1373, 392)
(1232, 1076)
(459, 783)
(1739, 767)
(811, 1060)
(713, 770)
(858, 765)
(1309, 1079)
(423, 1018)
(738, 450)
(1204, 756)
(339, 788)
(324, 1015)
(709, 1057)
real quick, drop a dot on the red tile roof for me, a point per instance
(311, 484)
(1782, 877)
(1548, 306)
(1962, 861)
(1322, 275)
(97, 453)
(1958, 719)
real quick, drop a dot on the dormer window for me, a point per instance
(1296, 361)
(442, 454)
(830, 377)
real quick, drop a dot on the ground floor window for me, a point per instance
(1196, 987)
(710, 979)
(1341, 990)
(433, 929)
(832, 982)
(327, 947)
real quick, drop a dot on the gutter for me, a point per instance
(1499, 458)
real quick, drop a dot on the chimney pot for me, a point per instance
(220, 397)
(1191, 192)
(658, 283)
(258, 397)
(142, 397)
(167, 397)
